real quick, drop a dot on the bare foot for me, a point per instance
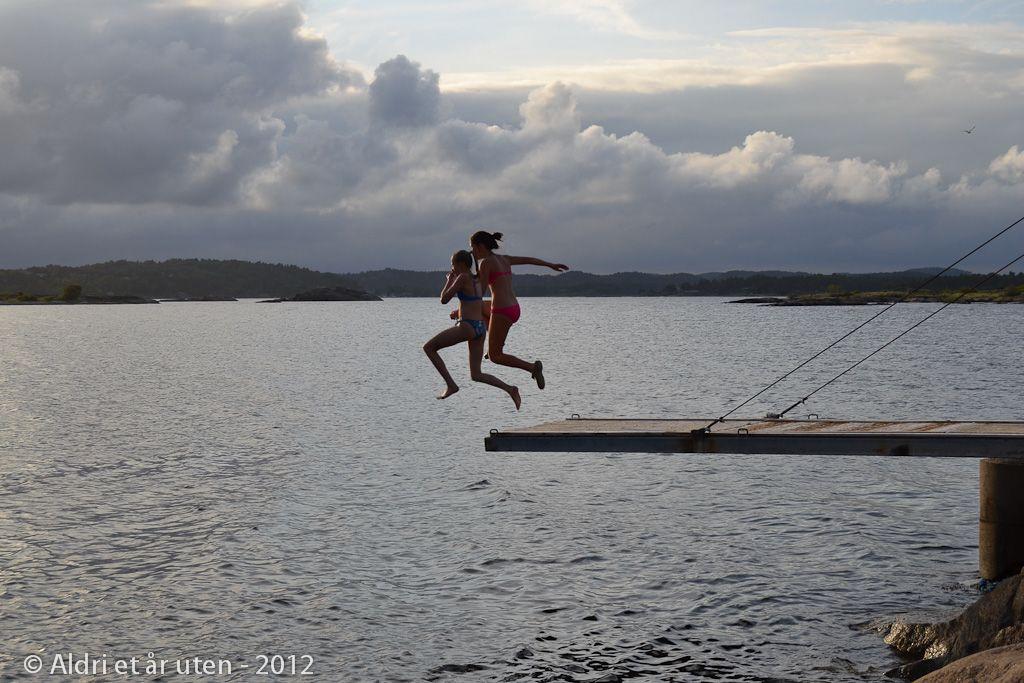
(514, 393)
(448, 392)
(538, 373)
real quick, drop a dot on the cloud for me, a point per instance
(850, 180)
(550, 109)
(158, 129)
(556, 183)
(403, 94)
(605, 15)
(1008, 168)
(1001, 183)
(761, 152)
(10, 89)
(138, 102)
(970, 54)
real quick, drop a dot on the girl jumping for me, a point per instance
(496, 271)
(471, 328)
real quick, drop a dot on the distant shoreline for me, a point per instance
(208, 279)
(37, 300)
(1012, 295)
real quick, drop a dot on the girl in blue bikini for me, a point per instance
(470, 328)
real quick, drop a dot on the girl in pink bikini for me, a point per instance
(496, 271)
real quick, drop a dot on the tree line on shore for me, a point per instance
(195, 278)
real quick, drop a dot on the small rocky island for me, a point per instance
(84, 301)
(1009, 295)
(70, 296)
(327, 294)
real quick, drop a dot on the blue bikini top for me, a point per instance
(467, 297)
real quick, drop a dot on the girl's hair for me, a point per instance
(464, 257)
(488, 239)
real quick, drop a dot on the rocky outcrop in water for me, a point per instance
(117, 299)
(52, 301)
(993, 621)
(1010, 296)
(773, 300)
(327, 294)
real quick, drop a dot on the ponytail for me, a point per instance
(487, 239)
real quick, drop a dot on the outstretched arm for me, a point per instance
(530, 261)
(452, 285)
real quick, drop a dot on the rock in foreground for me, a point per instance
(993, 621)
(327, 294)
(1000, 665)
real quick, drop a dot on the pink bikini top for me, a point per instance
(491, 277)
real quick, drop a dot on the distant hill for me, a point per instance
(935, 270)
(196, 278)
(176, 278)
(400, 283)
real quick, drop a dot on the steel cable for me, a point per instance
(882, 312)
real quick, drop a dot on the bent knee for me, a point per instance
(477, 376)
(429, 348)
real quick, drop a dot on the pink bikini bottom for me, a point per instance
(510, 312)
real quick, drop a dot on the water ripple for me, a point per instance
(232, 479)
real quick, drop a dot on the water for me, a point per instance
(227, 480)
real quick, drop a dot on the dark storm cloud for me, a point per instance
(159, 129)
(403, 94)
(131, 102)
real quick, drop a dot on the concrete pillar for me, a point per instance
(1001, 522)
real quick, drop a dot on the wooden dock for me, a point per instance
(958, 439)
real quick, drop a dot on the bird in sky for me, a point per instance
(971, 130)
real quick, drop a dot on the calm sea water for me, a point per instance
(230, 480)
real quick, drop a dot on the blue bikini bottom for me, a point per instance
(479, 328)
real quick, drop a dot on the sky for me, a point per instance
(609, 134)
